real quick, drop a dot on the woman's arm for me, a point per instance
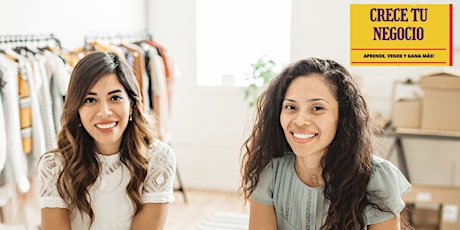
(390, 224)
(151, 216)
(55, 218)
(261, 216)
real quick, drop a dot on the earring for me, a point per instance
(130, 117)
(79, 125)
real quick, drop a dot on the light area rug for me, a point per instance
(225, 221)
(12, 227)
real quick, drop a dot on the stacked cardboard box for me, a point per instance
(438, 108)
(407, 105)
(422, 216)
(406, 114)
(441, 101)
(448, 199)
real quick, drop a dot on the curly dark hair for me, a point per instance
(347, 164)
(77, 148)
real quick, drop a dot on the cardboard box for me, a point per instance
(423, 218)
(426, 217)
(447, 197)
(441, 101)
(406, 114)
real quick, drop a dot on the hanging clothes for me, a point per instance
(158, 94)
(10, 101)
(38, 134)
(25, 111)
(138, 67)
(59, 72)
(2, 130)
(169, 69)
(35, 85)
(44, 99)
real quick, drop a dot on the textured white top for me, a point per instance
(10, 101)
(111, 205)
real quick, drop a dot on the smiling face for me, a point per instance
(309, 116)
(105, 113)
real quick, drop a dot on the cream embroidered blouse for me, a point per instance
(111, 205)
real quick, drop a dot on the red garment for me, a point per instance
(169, 69)
(169, 65)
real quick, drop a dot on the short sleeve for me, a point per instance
(49, 167)
(263, 193)
(159, 182)
(389, 184)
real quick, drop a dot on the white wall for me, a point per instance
(209, 124)
(70, 21)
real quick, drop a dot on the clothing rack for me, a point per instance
(29, 40)
(118, 38)
(30, 43)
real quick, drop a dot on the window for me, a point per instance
(233, 34)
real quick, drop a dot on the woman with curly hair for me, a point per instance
(108, 171)
(309, 162)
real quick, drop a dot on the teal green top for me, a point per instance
(299, 206)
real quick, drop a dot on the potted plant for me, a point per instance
(262, 73)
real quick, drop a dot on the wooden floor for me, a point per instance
(199, 206)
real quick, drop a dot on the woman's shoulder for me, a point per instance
(286, 158)
(385, 173)
(273, 178)
(279, 165)
(51, 161)
(381, 164)
(386, 186)
(161, 150)
(52, 156)
(160, 147)
(281, 162)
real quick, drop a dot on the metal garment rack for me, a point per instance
(401, 133)
(181, 186)
(118, 38)
(29, 40)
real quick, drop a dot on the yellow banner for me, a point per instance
(401, 34)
